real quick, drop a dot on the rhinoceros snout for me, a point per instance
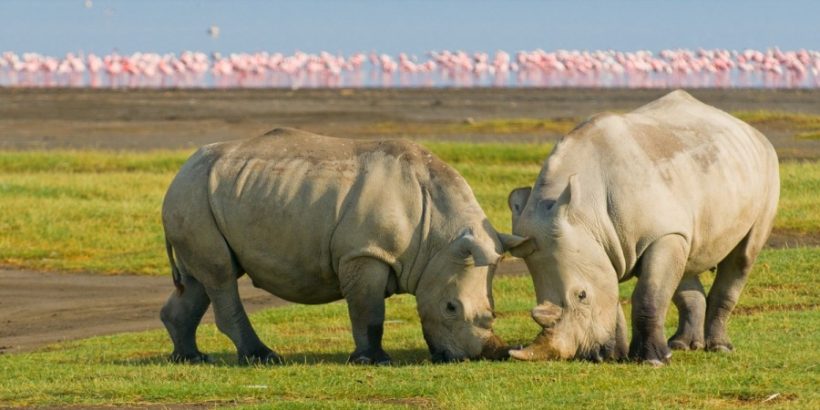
(595, 356)
(495, 349)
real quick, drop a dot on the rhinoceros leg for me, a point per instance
(660, 270)
(206, 256)
(732, 273)
(181, 316)
(618, 347)
(364, 282)
(621, 344)
(691, 302)
(232, 320)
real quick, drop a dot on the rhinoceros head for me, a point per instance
(455, 300)
(575, 283)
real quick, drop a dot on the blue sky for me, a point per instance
(59, 26)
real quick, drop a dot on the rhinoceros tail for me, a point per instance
(175, 275)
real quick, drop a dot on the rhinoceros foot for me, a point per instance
(368, 357)
(655, 354)
(685, 343)
(194, 358)
(265, 357)
(720, 347)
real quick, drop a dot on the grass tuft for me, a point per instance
(809, 135)
(92, 161)
(497, 126)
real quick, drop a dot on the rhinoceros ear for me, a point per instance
(467, 246)
(518, 246)
(509, 241)
(572, 191)
(517, 200)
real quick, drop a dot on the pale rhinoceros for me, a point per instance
(314, 219)
(663, 194)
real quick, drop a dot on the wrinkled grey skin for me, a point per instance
(663, 194)
(315, 219)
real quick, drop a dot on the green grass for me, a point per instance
(103, 222)
(794, 120)
(776, 332)
(100, 211)
(498, 126)
(92, 161)
(809, 135)
(490, 153)
(803, 125)
(798, 209)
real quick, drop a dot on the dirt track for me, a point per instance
(39, 308)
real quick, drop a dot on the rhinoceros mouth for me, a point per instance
(494, 350)
(438, 354)
(442, 356)
(594, 354)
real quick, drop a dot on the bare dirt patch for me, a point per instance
(38, 308)
(413, 402)
(784, 238)
(752, 310)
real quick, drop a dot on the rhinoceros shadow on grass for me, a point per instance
(227, 358)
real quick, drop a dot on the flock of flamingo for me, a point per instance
(772, 68)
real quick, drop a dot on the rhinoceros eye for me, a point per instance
(582, 295)
(452, 309)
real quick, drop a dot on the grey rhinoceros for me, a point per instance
(663, 194)
(314, 219)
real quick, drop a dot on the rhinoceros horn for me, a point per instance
(495, 349)
(547, 315)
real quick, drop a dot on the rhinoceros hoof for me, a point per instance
(190, 358)
(379, 358)
(720, 347)
(654, 363)
(266, 358)
(651, 353)
(682, 344)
